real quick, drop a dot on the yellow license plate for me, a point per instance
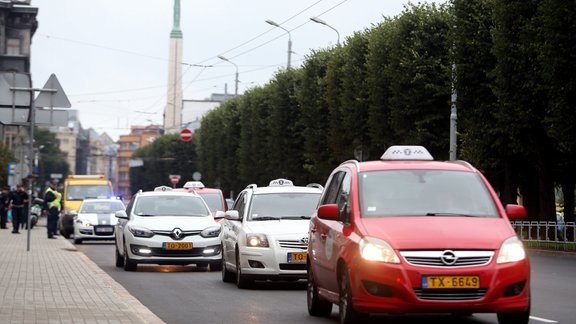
(450, 282)
(297, 257)
(177, 245)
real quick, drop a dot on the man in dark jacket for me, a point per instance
(18, 203)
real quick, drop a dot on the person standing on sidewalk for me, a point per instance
(18, 203)
(4, 207)
(53, 201)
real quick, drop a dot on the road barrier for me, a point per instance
(559, 236)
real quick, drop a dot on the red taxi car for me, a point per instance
(213, 197)
(407, 234)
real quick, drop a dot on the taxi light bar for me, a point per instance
(194, 185)
(280, 182)
(162, 188)
(406, 152)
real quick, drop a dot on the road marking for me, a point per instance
(542, 319)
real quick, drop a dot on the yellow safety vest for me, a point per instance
(57, 201)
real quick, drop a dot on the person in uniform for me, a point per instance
(53, 202)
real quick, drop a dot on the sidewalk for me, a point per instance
(55, 283)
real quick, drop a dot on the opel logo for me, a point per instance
(176, 234)
(449, 257)
(304, 240)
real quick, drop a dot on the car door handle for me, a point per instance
(323, 236)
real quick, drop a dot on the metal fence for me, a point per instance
(559, 236)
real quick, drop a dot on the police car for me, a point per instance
(167, 227)
(265, 234)
(95, 219)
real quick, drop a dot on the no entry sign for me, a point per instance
(186, 135)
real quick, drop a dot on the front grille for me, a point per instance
(293, 244)
(292, 266)
(183, 235)
(450, 294)
(447, 258)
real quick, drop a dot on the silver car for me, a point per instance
(96, 220)
(167, 227)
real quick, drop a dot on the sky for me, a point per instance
(111, 56)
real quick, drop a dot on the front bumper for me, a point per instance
(397, 288)
(151, 250)
(274, 262)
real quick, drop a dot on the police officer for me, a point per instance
(53, 201)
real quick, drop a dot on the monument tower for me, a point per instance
(173, 111)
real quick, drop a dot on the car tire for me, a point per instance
(316, 305)
(129, 264)
(515, 318)
(347, 313)
(119, 258)
(241, 280)
(227, 275)
(77, 241)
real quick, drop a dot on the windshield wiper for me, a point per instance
(450, 214)
(296, 217)
(265, 218)
(143, 214)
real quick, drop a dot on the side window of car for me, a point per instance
(344, 198)
(331, 195)
(240, 204)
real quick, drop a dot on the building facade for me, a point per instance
(139, 136)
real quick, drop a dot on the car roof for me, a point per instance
(287, 189)
(100, 200)
(379, 165)
(168, 193)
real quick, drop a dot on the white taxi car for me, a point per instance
(265, 234)
(167, 227)
(95, 219)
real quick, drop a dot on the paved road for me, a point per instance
(183, 295)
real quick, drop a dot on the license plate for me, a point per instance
(177, 245)
(450, 282)
(297, 257)
(104, 229)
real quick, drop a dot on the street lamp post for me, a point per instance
(322, 22)
(289, 40)
(236, 79)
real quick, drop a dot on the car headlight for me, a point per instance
(512, 250)
(256, 240)
(140, 231)
(373, 249)
(212, 231)
(83, 222)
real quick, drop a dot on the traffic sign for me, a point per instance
(186, 135)
(56, 99)
(174, 178)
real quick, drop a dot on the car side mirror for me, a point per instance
(515, 212)
(219, 214)
(328, 212)
(121, 214)
(232, 215)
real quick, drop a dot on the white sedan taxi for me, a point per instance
(265, 234)
(95, 220)
(167, 227)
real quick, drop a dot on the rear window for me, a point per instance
(166, 205)
(213, 200)
(424, 193)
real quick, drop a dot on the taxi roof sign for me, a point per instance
(280, 182)
(407, 152)
(194, 185)
(162, 188)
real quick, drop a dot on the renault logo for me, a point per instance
(449, 257)
(304, 240)
(177, 234)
